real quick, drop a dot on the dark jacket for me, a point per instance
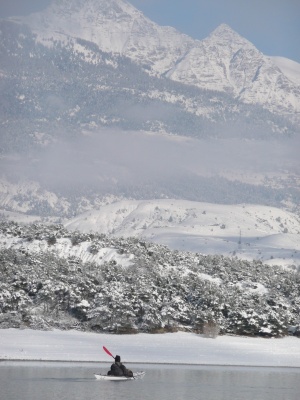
(118, 369)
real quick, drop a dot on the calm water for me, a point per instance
(74, 381)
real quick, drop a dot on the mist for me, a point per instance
(102, 159)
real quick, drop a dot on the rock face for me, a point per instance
(115, 26)
(227, 62)
(223, 62)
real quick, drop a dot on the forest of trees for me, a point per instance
(159, 291)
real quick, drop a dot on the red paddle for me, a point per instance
(108, 352)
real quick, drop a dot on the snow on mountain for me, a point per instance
(222, 62)
(248, 231)
(290, 68)
(227, 62)
(19, 198)
(208, 64)
(115, 26)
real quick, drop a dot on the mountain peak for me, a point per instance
(224, 33)
(115, 26)
(106, 23)
(223, 29)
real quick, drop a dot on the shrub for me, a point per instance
(51, 240)
(211, 329)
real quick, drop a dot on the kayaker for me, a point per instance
(119, 369)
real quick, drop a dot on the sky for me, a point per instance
(271, 25)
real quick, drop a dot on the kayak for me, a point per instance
(136, 375)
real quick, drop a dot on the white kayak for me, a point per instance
(136, 375)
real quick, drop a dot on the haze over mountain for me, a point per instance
(98, 104)
(149, 181)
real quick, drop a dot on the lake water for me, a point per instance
(75, 381)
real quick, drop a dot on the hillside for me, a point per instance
(248, 231)
(136, 286)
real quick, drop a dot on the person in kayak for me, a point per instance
(119, 369)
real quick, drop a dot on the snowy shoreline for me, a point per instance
(107, 364)
(179, 348)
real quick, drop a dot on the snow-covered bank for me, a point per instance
(173, 348)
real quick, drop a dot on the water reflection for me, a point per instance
(74, 381)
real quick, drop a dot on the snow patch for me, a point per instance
(290, 68)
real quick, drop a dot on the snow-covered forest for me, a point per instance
(129, 286)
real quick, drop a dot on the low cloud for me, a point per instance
(104, 158)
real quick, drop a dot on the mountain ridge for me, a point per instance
(121, 38)
(224, 61)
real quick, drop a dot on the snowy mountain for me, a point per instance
(134, 136)
(227, 62)
(99, 104)
(223, 62)
(84, 65)
(115, 26)
(61, 92)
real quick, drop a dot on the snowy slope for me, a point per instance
(223, 62)
(250, 232)
(65, 249)
(290, 68)
(20, 197)
(247, 231)
(115, 26)
(227, 62)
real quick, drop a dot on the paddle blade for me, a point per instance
(108, 352)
